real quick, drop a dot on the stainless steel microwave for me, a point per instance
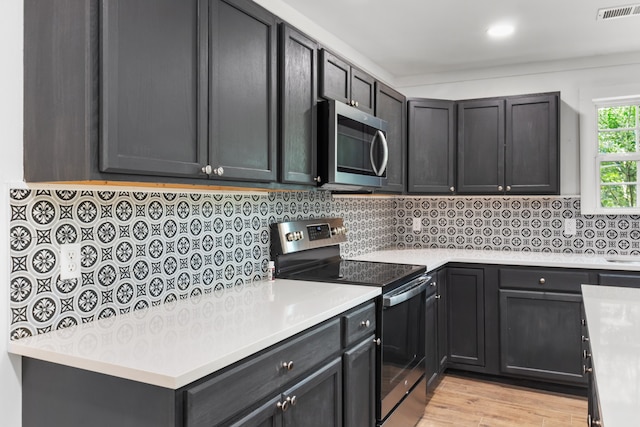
(352, 148)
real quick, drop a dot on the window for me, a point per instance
(610, 150)
(618, 154)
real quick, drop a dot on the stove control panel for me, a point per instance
(294, 236)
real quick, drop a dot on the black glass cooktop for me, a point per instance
(366, 273)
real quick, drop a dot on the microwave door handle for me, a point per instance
(371, 146)
(385, 155)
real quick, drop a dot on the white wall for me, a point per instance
(11, 27)
(569, 80)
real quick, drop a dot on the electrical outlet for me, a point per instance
(569, 226)
(70, 261)
(417, 225)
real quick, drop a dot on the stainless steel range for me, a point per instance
(309, 250)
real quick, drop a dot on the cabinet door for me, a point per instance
(360, 384)
(243, 83)
(431, 342)
(298, 97)
(465, 298)
(266, 415)
(154, 87)
(532, 149)
(391, 106)
(316, 401)
(363, 90)
(619, 279)
(443, 342)
(481, 147)
(541, 335)
(431, 158)
(335, 77)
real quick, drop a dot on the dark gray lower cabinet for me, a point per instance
(441, 303)
(465, 316)
(541, 335)
(359, 367)
(629, 280)
(432, 368)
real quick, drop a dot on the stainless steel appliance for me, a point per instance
(309, 250)
(352, 148)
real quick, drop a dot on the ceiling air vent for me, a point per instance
(619, 12)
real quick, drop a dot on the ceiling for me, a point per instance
(420, 37)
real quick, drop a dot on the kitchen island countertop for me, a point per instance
(176, 343)
(613, 319)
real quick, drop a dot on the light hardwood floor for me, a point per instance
(459, 401)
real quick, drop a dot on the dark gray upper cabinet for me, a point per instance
(391, 106)
(118, 90)
(341, 81)
(243, 85)
(432, 141)
(509, 145)
(298, 99)
(153, 95)
(481, 146)
(532, 144)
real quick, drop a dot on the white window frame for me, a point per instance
(590, 157)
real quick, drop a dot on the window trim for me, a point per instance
(590, 158)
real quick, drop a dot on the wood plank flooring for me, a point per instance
(460, 401)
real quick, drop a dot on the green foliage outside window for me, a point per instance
(617, 134)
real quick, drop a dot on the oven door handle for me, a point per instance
(390, 301)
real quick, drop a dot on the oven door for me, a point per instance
(403, 342)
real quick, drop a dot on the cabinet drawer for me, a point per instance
(542, 279)
(215, 400)
(619, 279)
(358, 324)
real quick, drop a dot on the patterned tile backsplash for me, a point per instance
(515, 223)
(140, 249)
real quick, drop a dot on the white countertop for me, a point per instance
(613, 318)
(434, 258)
(174, 344)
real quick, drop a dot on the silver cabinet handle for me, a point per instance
(287, 365)
(356, 103)
(585, 354)
(317, 179)
(434, 284)
(585, 369)
(385, 155)
(365, 323)
(542, 281)
(294, 400)
(376, 341)
(284, 405)
(508, 188)
(452, 188)
(500, 188)
(585, 339)
(218, 171)
(438, 296)
(207, 169)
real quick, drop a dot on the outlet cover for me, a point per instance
(569, 226)
(417, 225)
(70, 261)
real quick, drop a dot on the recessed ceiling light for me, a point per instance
(500, 30)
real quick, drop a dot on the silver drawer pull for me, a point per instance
(542, 281)
(585, 369)
(376, 341)
(284, 405)
(294, 400)
(287, 365)
(585, 339)
(365, 323)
